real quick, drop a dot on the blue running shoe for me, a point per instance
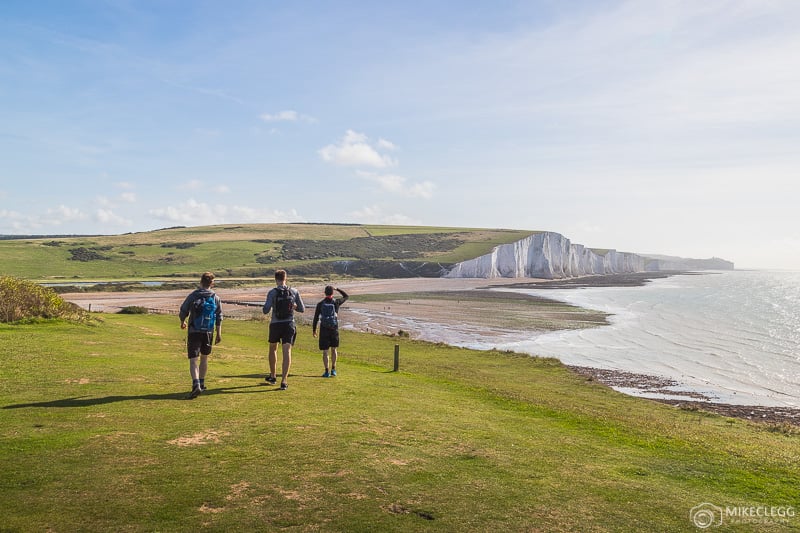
(326, 374)
(333, 373)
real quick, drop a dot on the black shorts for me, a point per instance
(328, 338)
(199, 342)
(282, 332)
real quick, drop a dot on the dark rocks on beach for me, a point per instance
(688, 400)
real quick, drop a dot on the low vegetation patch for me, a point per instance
(412, 246)
(133, 310)
(23, 300)
(86, 254)
(179, 245)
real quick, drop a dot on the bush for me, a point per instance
(133, 310)
(25, 300)
(86, 254)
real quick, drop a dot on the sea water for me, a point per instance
(733, 336)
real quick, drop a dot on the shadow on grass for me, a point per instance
(82, 401)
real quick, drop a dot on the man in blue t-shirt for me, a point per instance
(204, 311)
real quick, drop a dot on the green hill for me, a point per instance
(250, 251)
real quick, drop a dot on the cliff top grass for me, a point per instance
(95, 435)
(249, 251)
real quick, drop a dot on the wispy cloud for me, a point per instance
(63, 214)
(395, 184)
(355, 150)
(376, 215)
(193, 212)
(287, 116)
(214, 93)
(16, 222)
(191, 185)
(107, 217)
(199, 185)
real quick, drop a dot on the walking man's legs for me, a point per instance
(287, 363)
(273, 358)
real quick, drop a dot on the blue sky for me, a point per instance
(662, 126)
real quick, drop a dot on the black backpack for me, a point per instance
(327, 314)
(284, 302)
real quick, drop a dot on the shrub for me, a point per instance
(133, 310)
(85, 255)
(25, 300)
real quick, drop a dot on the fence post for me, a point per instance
(396, 357)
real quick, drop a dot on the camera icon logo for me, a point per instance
(706, 515)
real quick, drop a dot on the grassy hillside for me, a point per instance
(253, 250)
(95, 435)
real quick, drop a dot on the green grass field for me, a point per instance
(95, 435)
(251, 251)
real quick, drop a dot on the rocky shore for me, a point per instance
(692, 401)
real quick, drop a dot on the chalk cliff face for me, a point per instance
(550, 255)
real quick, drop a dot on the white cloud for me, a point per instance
(129, 197)
(386, 145)
(194, 213)
(107, 216)
(249, 214)
(126, 185)
(375, 215)
(63, 214)
(398, 185)
(286, 116)
(355, 150)
(198, 185)
(103, 201)
(16, 222)
(422, 189)
(190, 212)
(191, 185)
(10, 220)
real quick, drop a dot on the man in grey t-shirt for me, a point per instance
(282, 301)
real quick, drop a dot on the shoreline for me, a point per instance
(687, 400)
(417, 314)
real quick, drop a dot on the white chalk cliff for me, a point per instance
(550, 255)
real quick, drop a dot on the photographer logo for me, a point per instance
(706, 515)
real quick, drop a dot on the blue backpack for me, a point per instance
(327, 314)
(204, 313)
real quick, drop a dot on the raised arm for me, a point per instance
(345, 296)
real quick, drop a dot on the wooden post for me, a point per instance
(396, 357)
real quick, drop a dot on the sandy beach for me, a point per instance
(442, 310)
